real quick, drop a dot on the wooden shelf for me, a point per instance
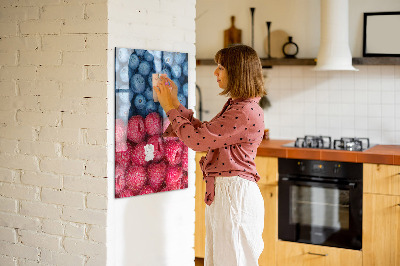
(312, 61)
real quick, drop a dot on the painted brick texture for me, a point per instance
(53, 108)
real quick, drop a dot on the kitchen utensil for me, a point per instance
(232, 35)
(252, 9)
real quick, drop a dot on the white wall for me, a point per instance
(338, 104)
(299, 18)
(53, 190)
(155, 229)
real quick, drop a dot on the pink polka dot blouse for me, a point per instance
(231, 139)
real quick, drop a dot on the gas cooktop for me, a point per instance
(325, 142)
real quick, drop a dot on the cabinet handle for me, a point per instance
(318, 254)
(398, 204)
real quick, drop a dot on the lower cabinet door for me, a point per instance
(294, 254)
(381, 230)
(270, 233)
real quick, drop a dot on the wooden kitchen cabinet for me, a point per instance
(267, 168)
(298, 254)
(381, 215)
(270, 233)
(381, 179)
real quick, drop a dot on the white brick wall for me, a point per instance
(53, 106)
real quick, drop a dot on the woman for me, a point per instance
(235, 207)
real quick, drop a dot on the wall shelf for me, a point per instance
(266, 63)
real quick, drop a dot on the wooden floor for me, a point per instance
(199, 262)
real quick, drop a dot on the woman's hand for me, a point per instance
(174, 91)
(164, 91)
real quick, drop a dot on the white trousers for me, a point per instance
(234, 223)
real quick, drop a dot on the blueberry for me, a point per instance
(140, 52)
(176, 71)
(182, 99)
(142, 112)
(123, 55)
(148, 56)
(137, 83)
(185, 89)
(144, 68)
(185, 68)
(148, 93)
(133, 62)
(179, 58)
(168, 58)
(140, 101)
(124, 74)
(183, 79)
(150, 107)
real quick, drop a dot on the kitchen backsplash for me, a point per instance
(337, 104)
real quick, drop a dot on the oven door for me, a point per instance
(321, 212)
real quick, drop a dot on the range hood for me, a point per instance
(334, 51)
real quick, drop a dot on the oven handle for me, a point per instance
(298, 181)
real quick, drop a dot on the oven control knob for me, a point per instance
(336, 169)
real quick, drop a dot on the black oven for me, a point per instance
(320, 202)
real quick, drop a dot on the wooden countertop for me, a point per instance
(379, 154)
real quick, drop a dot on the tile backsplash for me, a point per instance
(365, 103)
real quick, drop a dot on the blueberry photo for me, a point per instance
(148, 93)
(185, 89)
(168, 58)
(166, 70)
(176, 71)
(137, 83)
(123, 55)
(140, 101)
(140, 52)
(185, 68)
(179, 58)
(151, 107)
(144, 68)
(133, 62)
(182, 99)
(124, 74)
(148, 56)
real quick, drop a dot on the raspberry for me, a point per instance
(124, 157)
(146, 190)
(153, 124)
(156, 174)
(138, 154)
(126, 193)
(184, 181)
(119, 178)
(136, 129)
(173, 151)
(136, 178)
(173, 177)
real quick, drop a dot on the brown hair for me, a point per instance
(245, 78)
